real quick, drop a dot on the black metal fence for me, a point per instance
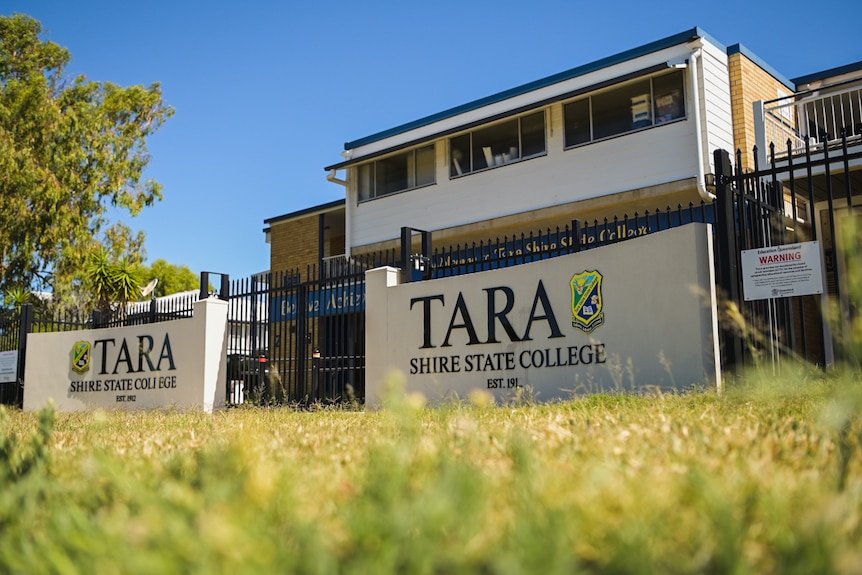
(10, 340)
(550, 243)
(795, 198)
(167, 308)
(298, 336)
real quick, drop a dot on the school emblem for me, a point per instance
(587, 313)
(81, 356)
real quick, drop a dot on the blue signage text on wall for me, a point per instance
(320, 303)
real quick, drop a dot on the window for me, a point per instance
(497, 144)
(626, 108)
(397, 173)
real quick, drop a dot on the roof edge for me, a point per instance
(740, 49)
(828, 73)
(327, 207)
(606, 62)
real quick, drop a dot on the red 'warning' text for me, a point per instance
(778, 258)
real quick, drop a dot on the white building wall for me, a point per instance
(659, 155)
(718, 117)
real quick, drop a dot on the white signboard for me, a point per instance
(782, 271)
(179, 363)
(635, 315)
(8, 366)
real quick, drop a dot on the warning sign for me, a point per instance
(782, 271)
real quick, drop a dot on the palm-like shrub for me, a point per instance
(113, 283)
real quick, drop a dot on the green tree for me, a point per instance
(172, 278)
(113, 283)
(69, 150)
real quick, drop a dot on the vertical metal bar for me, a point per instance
(301, 337)
(800, 311)
(847, 185)
(426, 244)
(25, 326)
(726, 240)
(251, 320)
(575, 244)
(831, 204)
(205, 282)
(406, 250)
(224, 290)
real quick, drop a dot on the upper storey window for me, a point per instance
(630, 107)
(396, 173)
(497, 144)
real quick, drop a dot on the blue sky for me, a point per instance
(266, 92)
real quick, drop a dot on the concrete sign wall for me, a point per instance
(639, 314)
(179, 363)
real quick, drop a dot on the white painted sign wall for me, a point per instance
(635, 315)
(180, 363)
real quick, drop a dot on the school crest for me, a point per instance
(587, 313)
(81, 356)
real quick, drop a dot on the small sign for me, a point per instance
(323, 302)
(8, 366)
(782, 271)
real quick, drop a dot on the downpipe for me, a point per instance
(694, 66)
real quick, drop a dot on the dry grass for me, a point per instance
(765, 479)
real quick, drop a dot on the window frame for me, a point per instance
(455, 173)
(412, 176)
(654, 117)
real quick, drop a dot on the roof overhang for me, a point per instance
(513, 112)
(319, 209)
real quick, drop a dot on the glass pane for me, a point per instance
(532, 135)
(393, 173)
(425, 168)
(622, 110)
(366, 181)
(460, 156)
(669, 97)
(577, 119)
(495, 145)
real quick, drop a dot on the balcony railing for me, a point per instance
(819, 116)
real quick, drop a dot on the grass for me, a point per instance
(766, 478)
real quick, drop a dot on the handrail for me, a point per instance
(821, 118)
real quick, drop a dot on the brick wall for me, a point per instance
(748, 84)
(294, 244)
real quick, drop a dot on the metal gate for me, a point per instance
(300, 337)
(796, 198)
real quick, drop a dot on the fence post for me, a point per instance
(576, 236)
(153, 314)
(25, 327)
(727, 254)
(303, 340)
(406, 251)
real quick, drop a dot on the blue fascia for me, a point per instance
(740, 49)
(329, 206)
(831, 73)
